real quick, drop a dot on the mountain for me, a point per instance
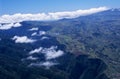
(86, 47)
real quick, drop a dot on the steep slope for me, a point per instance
(19, 58)
(97, 35)
(86, 47)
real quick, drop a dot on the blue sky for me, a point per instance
(39, 6)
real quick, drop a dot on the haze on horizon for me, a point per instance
(39, 6)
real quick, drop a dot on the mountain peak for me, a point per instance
(115, 9)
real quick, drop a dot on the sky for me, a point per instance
(46, 6)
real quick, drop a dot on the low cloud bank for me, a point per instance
(33, 34)
(31, 58)
(50, 53)
(50, 16)
(22, 39)
(38, 34)
(9, 26)
(42, 33)
(36, 50)
(15, 19)
(47, 64)
(44, 37)
(33, 29)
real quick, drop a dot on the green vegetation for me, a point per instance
(97, 35)
(91, 45)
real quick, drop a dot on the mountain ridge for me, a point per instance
(95, 35)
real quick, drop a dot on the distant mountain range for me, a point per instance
(86, 47)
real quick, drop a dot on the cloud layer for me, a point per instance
(50, 16)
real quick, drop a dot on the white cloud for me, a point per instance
(50, 53)
(32, 58)
(47, 64)
(22, 39)
(44, 37)
(33, 29)
(50, 16)
(13, 20)
(9, 26)
(17, 25)
(39, 34)
(36, 50)
(77, 13)
(42, 33)
(33, 34)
